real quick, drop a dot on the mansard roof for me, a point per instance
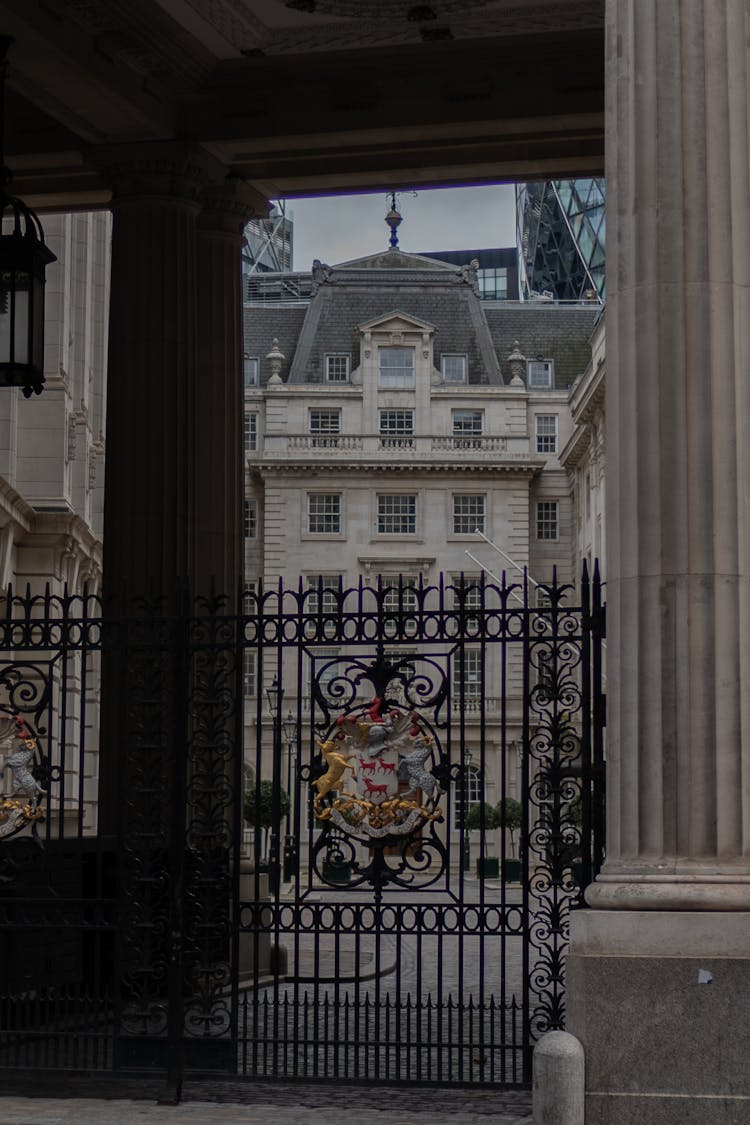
(355, 296)
(544, 331)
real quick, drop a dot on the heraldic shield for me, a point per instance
(378, 779)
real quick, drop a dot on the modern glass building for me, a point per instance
(560, 231)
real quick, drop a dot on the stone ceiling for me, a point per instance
(305, 96)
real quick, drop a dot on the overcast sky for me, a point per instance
(339, 228)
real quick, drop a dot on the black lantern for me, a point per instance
(23, 260)
(274, 695)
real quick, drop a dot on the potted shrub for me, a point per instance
(485, 818)
(263, 805)
(510, 815)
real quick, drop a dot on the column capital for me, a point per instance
(174, 170)
(229, 204)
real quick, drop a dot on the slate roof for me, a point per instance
(544, 331)
(354, 293)
(263, 323)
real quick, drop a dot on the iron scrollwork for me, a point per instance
(379, 785)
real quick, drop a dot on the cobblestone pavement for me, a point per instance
(276, 1105)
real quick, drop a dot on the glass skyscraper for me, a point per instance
(560, 227)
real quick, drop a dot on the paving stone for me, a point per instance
(384, 1104)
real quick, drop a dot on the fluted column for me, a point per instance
(149, 505)
(678, 462)
(219, 397)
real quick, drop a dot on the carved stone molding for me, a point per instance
(228, 205)
(168, 170)
(342, 25)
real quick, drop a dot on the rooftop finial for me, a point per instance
(394, 220)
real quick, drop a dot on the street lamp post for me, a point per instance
(275, 696)
(289, 727)
(466, 850)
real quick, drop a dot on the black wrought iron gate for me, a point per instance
(337, 835)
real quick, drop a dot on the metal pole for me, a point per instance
(290, 850)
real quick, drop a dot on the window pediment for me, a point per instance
(397, 323)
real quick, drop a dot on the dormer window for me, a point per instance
(337, 367)
(251, 366)
(396, 367)
(540, 374)
(453, 368)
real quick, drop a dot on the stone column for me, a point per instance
(678, 415)
(678, 551)
(217, 542)
(149, 500)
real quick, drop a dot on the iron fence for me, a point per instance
(247, 846)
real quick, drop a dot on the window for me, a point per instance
(547, 519)
(467, 428)
(468, 514)
(493, 283)
(249, 679)
(249, 597)
(251, 519)
(323, 590)
(467, 680)
(251, 433)
(540, 372)
(400, 598)
(251, 370)
(397, 515)
(396, 366)
(453, 368)
(546, 433)
(588, 496)
(325, 425)
(468, 792)
(396, 429)
(337, 367)
(467, 595)
(324, 513)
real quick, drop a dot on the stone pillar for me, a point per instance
(150, 484)
(217, 542)
(678, 532)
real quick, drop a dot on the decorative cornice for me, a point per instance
(173, 170)
(228, 205)
(576, 447)
(14, 505)
(62, 529)
(527, 467)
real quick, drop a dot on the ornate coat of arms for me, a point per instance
(378, 781)
(19, 802)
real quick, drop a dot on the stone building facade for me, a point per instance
(52, 446)
(398, 428)
(584, 457)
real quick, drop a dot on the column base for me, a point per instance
(659, 1001)
(650, 891)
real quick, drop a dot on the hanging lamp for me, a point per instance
(23, 260)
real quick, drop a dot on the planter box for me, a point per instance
(512, 871)
(488, 868)
(339, 873)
